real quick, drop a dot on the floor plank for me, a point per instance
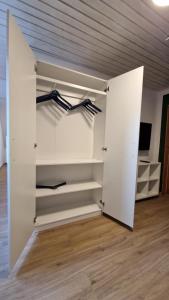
(96, 259)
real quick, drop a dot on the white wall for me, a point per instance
(150, 112)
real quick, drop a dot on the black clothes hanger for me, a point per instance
(88, 105)
(55, 95)
(94, 106)
(89, 109)
(62, 104)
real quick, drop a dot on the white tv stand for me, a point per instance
(148, 180)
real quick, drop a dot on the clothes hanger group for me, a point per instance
(55, 95)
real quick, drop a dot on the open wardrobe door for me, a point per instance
(21, 118)
(121, 140)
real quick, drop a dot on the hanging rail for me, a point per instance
(56, 96)
(64, 95)
(71, 85)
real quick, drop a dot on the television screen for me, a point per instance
(145, 136)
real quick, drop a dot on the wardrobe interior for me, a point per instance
(70, 146)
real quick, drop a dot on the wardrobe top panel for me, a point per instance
(65, 74)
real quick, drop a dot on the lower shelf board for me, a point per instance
(66, 216)
(68, 188)
(154, 179)
(142, 179)
(152, 194)
(141, 196)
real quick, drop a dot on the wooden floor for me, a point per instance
(98, 260)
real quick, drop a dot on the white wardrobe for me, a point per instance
(95, 155)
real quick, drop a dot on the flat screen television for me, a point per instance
(145, 136)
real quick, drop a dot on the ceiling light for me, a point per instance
(161, 2)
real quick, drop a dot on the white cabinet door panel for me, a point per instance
(121, 139)
(21, 118)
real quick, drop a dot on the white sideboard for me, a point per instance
(148, 180)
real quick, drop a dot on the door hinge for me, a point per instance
(102, 203)
(35, 68)
(106, 89)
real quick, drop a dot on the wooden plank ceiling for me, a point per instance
(110, 36)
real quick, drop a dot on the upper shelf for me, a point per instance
(72, 85)
(53, 162)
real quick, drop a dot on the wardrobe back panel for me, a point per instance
(62, 134)
(68, 173)
(63, 202)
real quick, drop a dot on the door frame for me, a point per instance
(165, 167)
(165, 106)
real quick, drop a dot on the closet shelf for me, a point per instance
(46, 162)
(142, 179)
(68, 215)
(140, 196)
(141, 163)
(154, 178)
(79, 87)
(152, 194)
(68, 188)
